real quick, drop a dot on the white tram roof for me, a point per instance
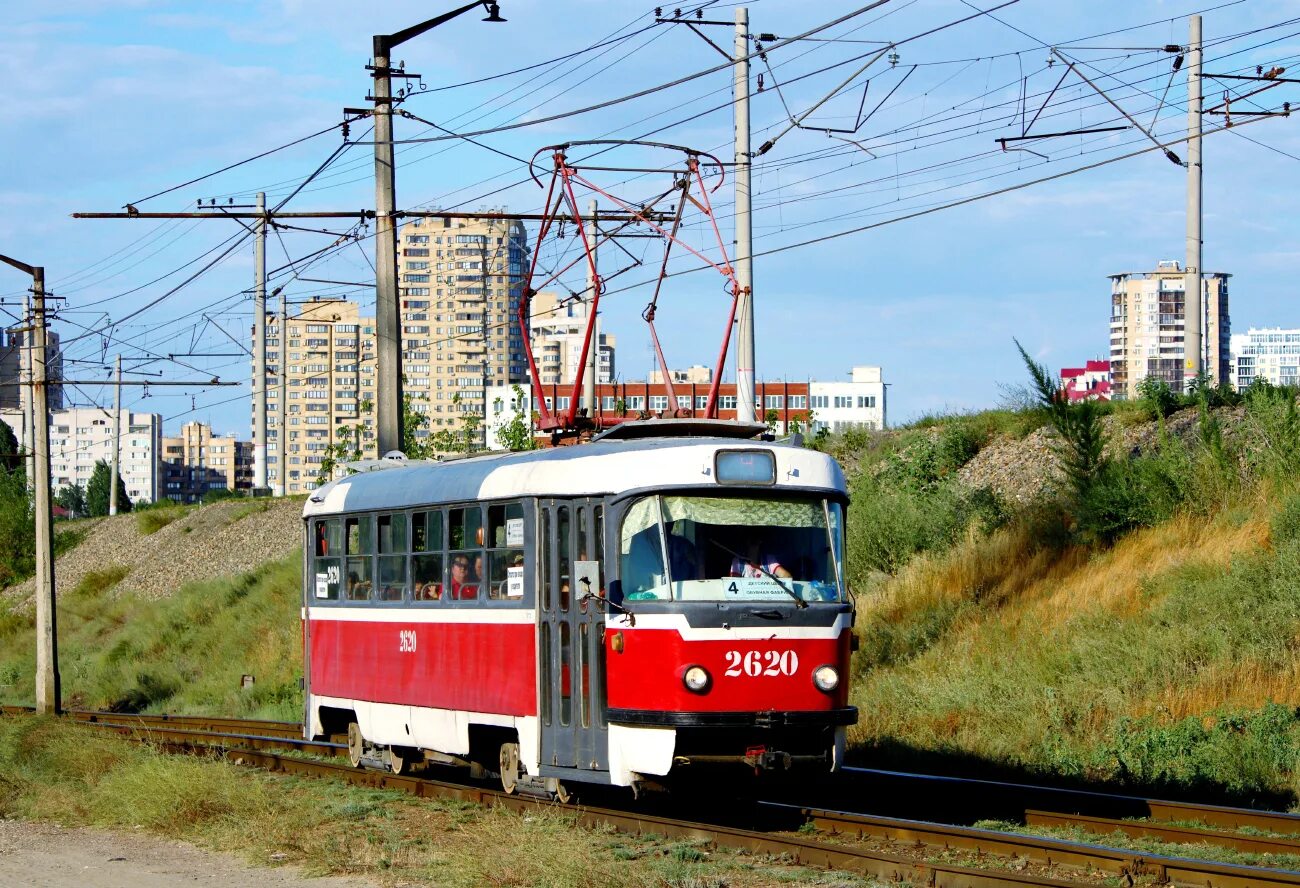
(594, 469)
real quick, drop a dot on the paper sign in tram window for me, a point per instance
(322, 585)
(514, 582)
(514, 532)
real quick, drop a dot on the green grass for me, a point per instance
(185, 653)
(75, 775)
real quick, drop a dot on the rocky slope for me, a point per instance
(225, 538)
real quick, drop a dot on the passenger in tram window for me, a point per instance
(477, 575)
(758, 563)
(322, 540)
(461, 585)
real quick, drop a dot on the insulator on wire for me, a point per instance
(1178, 61)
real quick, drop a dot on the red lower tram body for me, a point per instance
(585, 696)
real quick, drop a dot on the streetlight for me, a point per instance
(388, 323)
(47, 659)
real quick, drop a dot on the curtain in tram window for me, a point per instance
(741, 512)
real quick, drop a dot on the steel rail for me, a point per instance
(1126, 863)
(1012, 800)
(1182, 835)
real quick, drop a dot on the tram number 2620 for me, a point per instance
(406, 641)
(759, 663)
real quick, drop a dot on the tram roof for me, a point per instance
(597, 468)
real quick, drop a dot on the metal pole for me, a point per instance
(259, 346)
(281, 425)
(117, 441)
(1192, 285)
(47, 668)
(388, 330)
(744, 232)
(25, 392)
(593, 362)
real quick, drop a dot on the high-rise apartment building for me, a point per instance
(459, 287)
(12, 368)
(1271, 353)
(558, 327)
(196, 462)
(1147, 324)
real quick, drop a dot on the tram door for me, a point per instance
(571, 647)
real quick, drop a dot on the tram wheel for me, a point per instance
(401, 759)
(509, 761)
(356, 744)
(561, 793)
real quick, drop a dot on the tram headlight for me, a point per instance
(827, 678)
(696, 679)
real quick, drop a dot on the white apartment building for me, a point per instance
(81, 436)
(1269, 353)
(558, 327)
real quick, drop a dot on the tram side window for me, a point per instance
(360, 545)
(327, 552)
(641, 553)
(391, 582)
(427, 545)
(465, 526)
(563, 540)
(505, 557)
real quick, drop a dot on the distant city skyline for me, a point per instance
(146, 97)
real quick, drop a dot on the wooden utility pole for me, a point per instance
(117, 441)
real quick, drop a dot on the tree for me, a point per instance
(517, 434)
(11, 454)
(17, 529)
(72, 498)
(1081, 440)
(97, 491)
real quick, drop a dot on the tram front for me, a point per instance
(729, 630)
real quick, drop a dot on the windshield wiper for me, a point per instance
(799, 602)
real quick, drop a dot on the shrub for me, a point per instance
(155, 519)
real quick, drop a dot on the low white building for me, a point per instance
(1269, 353)
(858, 403)
(81, 436)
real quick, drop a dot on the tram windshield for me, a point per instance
(711, 548)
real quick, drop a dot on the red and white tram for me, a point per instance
(666, 597)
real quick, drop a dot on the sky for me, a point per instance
(109, 103)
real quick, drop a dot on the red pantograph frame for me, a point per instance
(561, 204)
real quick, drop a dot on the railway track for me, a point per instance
(884, 847)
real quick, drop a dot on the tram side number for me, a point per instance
(406, 641)
(756, 663)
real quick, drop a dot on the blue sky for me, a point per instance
(108, 102)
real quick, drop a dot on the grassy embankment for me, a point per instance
(75, 776)
(183, 654)
(1143, 632)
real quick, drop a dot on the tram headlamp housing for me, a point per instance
(696, 679)
(827, 678)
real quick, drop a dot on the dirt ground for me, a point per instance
(38, 855)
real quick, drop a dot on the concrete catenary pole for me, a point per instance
(388, 333)
(115, 469)
(25, 390)
(744, 232)
(47, 668)
(1192, 281)
(259, 346)
(593, 360)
